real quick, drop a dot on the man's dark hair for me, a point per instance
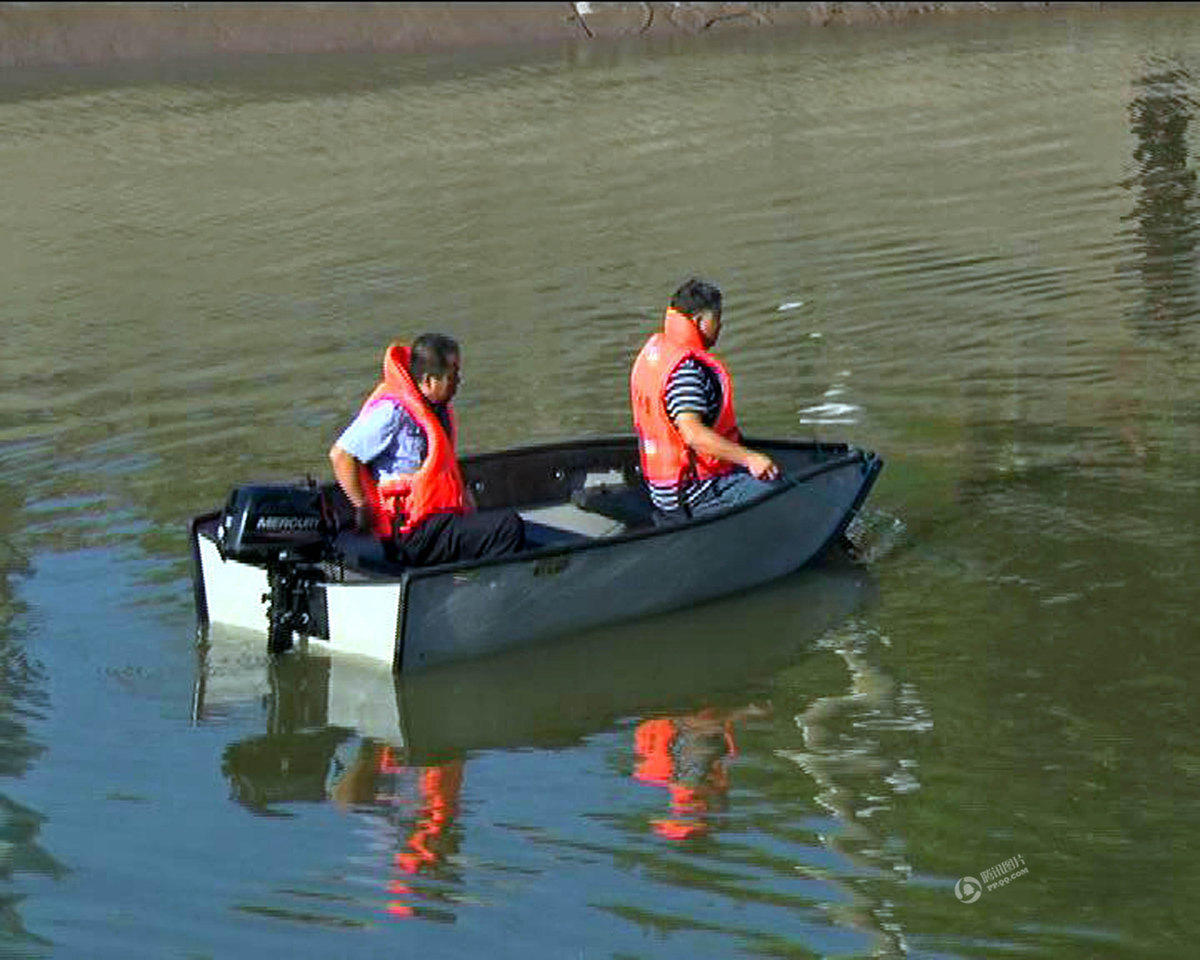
(696, 296)
(431, 356)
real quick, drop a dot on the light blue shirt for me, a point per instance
(387, 439)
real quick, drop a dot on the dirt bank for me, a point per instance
(46, 34)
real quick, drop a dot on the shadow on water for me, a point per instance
(346, 731)
(22, 696)
(1164, 205)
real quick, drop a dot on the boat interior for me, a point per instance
(591, 489)
(566, 493)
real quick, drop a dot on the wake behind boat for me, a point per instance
(277, 559)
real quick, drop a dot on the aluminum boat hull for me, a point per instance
(600, 569)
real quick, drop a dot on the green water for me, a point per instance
(970, 246)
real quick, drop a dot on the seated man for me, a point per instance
(397, 466)
(692, 457)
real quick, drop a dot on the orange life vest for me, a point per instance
(437, 485)
(666, 459)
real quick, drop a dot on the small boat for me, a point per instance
(280, 559)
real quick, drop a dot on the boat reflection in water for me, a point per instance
(348, 731)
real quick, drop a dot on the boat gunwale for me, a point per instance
(199, 590)
(844, 455)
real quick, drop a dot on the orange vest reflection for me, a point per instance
(380, 779)
(428, 841)
(687, 756)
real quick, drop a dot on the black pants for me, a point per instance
(446, 537)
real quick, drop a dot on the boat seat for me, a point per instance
(594, 512)
(544, 527)
(565, 522)
(629, 506)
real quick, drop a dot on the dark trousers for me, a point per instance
(447, 537)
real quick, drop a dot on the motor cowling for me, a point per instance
(275, 523)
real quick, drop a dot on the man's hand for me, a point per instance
(761, 466)
(704, 439)
(364, 518)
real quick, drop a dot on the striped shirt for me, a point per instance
(691, 388)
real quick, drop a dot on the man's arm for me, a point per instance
(707, 441)
(368, 435)
(345, 472)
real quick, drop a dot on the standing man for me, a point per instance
(692, 456)
(397, 465)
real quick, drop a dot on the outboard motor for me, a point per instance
(275, 522)
(287, 529)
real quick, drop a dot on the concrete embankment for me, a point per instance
(75, 34)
